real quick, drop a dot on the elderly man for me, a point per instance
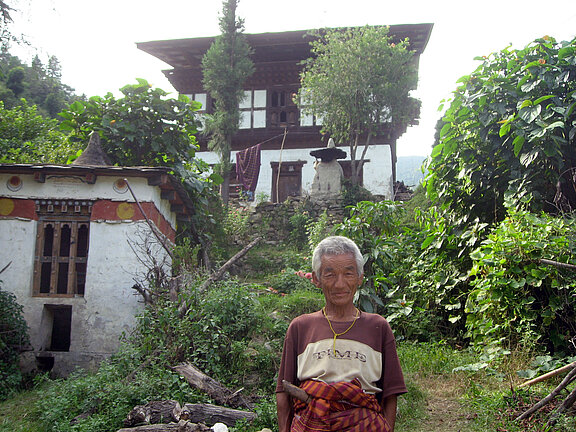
(343, 360)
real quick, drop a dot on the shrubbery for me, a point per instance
(13, 338)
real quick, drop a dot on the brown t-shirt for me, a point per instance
(367, 351)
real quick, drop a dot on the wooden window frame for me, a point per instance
(62, 245)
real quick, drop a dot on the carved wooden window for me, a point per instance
(62, 242)
(283, 110)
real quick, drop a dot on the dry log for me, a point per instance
(568, 402)
(567, 380)
(211, 414)
(183, 309)
(548, 375)
(181, 426)
(165, 411)
(216, 390)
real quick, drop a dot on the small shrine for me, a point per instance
(327, 182)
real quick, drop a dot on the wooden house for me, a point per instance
(268, 110)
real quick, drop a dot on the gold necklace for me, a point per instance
(344, 332)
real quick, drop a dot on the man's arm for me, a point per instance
(284, 411)
(389, 410)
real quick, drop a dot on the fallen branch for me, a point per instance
(153, 228)
(568, 402)
(558, 264)
(184, 307)
(217, 391)
(548, 375)
(212, 414)
(567, 380)
(181, 426)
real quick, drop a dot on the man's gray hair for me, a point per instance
(336, 245)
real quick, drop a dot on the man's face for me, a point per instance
(338, 278)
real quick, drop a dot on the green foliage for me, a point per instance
(298, 233)
(217, 334)
(236, 224)
(288, 281)
(353, 194)
(143, 128)
(372, 226)
(37, 83)
(318, 230)
(13, 338)
(357, 80)
(509, 132)
(302, 300)
(516, 297)
(27, 137)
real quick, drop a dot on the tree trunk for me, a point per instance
(181, 426)
(165, 411)
(211, 414)
(225, 187)
(220, 393)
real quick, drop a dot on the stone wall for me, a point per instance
(273, 220)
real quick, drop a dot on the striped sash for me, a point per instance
(341, 406)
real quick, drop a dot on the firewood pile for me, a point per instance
(170, 416)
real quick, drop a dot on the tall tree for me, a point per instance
(226, 66)
(357, 80)
(509, 133)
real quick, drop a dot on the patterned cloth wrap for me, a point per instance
(341, 406)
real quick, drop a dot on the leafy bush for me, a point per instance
(236, 223)
(300, 301)
(372, 225)
(517, 297)
(13, 337)
(509, 131)
(288, 281)
(353, 194)
(318, 230)
(298, 235)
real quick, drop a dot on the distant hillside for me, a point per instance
(408, 170)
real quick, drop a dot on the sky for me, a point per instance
(95, 41)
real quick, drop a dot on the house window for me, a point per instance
(282, 110)
(306, 117)
(62, 242)
(253, 109)
(201, 113)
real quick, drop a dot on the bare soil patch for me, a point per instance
(445, 411)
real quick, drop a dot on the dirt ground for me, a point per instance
(444, 410)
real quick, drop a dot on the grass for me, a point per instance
(18, 414)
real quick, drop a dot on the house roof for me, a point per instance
(280, 46)
(171, 187)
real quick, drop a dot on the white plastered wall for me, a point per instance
(109, 305)
(377, 172)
